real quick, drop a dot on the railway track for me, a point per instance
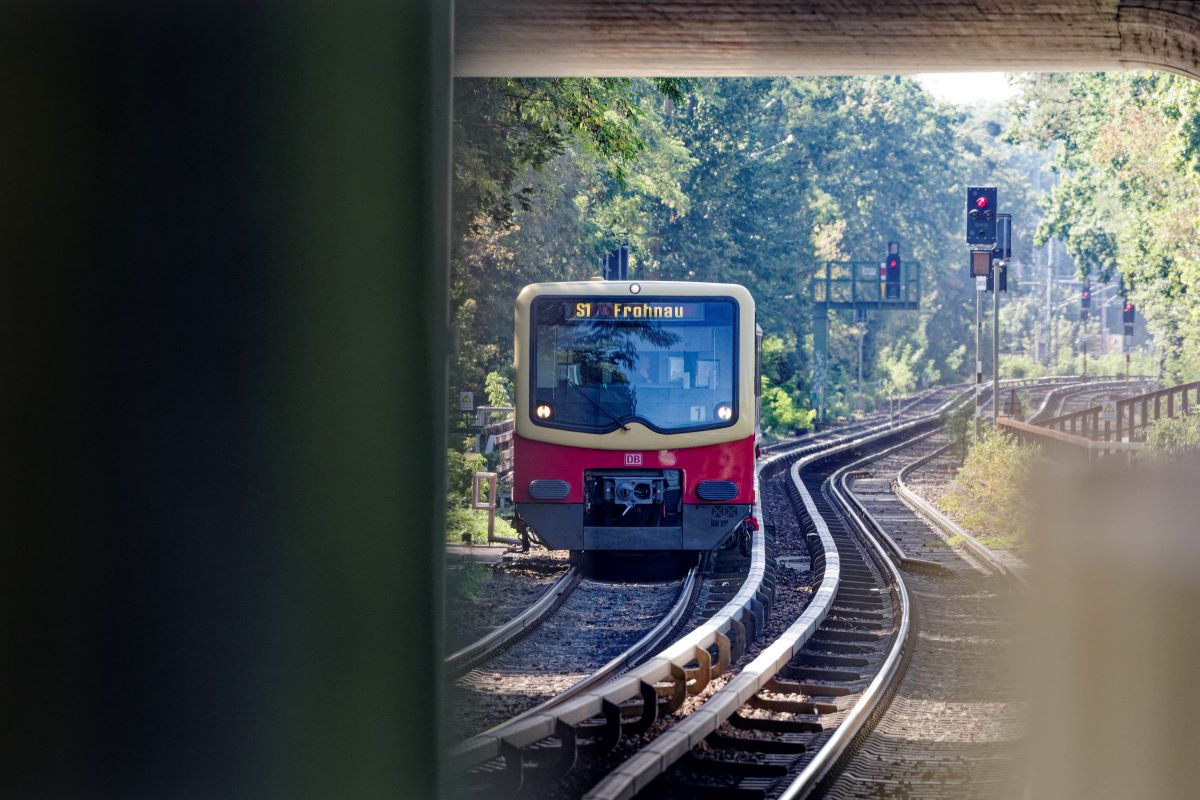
(1077, 396)
(597, 630)
(923, 651)
(955, 724)
(719, 714)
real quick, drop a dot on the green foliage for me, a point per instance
(1169, 438)
(460, 517)
(460, 520)
(780, 415)
(462, 468)
(958, 425)
(1128, 197)
(987, 497)
(750, 180)
(1021, 366)
(499, 389)
(898, 363)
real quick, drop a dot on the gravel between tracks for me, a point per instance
(597, 623)
(793, 591)
(483, 596)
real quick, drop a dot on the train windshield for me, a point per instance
(669, 363)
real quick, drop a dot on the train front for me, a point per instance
(635, 414)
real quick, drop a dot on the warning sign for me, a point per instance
(1108, 411)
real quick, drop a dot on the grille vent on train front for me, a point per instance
(716, 490)
(549, 489)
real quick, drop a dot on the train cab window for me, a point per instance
(669, 363)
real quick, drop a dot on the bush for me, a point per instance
(460, 520)
(780, 416)
(1168, 439)
(987, 497)
(461, 469)
(1021, 366)
(958, 425)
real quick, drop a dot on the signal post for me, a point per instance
(989, 235)
(981, 238)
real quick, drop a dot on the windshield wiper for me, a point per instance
(597, 404)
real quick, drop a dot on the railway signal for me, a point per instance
(999, 266)
(1003, 248)
(891, 272)
(1128, 315)
(1085, 303)
(981, 215)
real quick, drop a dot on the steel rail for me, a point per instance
(644, 766)
(516, 628)
(1057, 396)
(936, 518)
(509, 739)
(666, 666)
(844, 475)
(877, 691)
(655, 636)
(637, 772)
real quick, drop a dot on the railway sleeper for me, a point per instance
(737, 639)
(525, 769)
(807, 674)
(860, 579)
(841, 622)
(741, 722)
(791, 706)
(786, 743)
(806, 689)
(861, 592)
(806, 659)
(693, 790)
(845, 612)
(826, 646)
(863, 606)
(771, 765)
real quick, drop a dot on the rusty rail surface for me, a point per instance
(1129, 424)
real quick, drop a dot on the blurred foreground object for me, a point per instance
(1115, 640)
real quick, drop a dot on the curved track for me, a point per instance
(955, 724)
(784, 715)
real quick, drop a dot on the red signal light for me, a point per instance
(981, 201)
(892, 263)
(1086, 294)
(1129, 306)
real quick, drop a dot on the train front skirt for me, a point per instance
(704, 526)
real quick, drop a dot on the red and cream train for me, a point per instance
(636, 414)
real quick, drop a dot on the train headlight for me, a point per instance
(544, 411)
(724, 412)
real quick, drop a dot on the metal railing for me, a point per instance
(1133, 414)
(1064, 447)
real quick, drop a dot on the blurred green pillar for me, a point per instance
(224, 289)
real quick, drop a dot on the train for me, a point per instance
(637, 411)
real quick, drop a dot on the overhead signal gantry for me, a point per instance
(857, 286)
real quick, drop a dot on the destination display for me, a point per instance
(633, 310)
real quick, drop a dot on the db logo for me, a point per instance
(633, 459)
